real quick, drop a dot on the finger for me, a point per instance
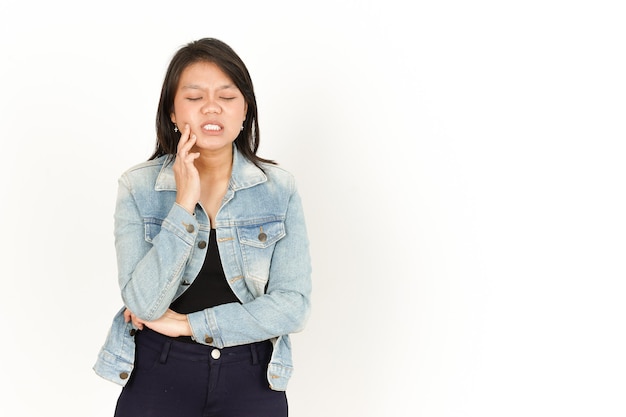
(186, 148)
(184, 151)
(192, 156)
(137, 322)
(185, 135)
(127, 315)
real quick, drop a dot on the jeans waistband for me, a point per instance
(196, 352)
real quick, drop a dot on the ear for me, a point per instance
(173, 117)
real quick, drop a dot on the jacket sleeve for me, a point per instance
(285, 306)
(150, 265)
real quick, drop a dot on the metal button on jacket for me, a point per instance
(262, 237)
(189, 227)
(208, 340)
(124, 375)
(215, 354)
(202, 244)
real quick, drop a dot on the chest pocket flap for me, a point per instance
(261, 235)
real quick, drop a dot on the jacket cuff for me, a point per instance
(204, 328)
(182, 223)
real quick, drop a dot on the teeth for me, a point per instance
(211, 127)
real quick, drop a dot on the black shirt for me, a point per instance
(210, 287)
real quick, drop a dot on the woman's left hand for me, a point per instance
(171, 323)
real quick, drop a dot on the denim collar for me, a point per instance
(244, 174)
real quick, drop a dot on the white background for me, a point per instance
(461, 165)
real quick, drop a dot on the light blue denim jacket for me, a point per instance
(263, 245)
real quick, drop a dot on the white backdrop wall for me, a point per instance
(462, 169)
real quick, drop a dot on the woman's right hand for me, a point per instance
(185, 172)
(171, 323)
(129, 316)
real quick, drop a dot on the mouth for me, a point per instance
(212, 127)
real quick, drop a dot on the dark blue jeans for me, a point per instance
(178, 379)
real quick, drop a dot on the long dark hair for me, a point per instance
(217, 52)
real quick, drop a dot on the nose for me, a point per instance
(211, 106)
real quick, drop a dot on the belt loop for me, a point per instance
(165, 351)
(255, 355)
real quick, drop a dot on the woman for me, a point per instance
(212, 252)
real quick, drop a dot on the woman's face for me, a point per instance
(210, 103)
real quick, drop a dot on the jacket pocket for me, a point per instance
(257, 243)
(261, 235)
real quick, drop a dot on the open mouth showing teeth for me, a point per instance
(211, 127)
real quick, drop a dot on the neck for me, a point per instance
(215, 165)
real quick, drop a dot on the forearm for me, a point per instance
(264, 318)
(151, 256)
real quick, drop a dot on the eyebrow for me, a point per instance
(198, 87)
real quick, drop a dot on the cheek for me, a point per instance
(244, 113)
(176, 111)
(182, 110)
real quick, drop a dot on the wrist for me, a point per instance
(187, 326)
(189, 208)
